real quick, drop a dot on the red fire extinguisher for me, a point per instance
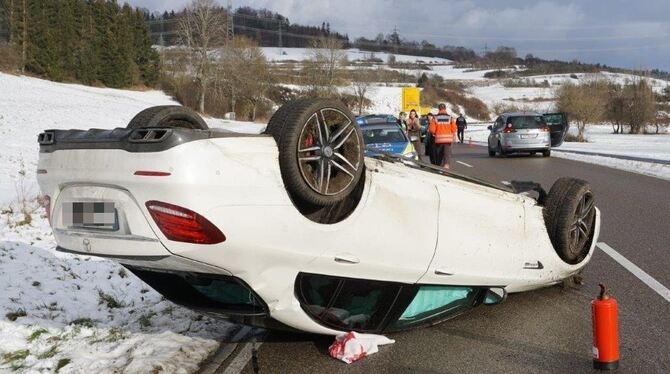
(604, 312)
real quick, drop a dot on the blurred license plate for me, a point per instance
(90, 215)
(528, 136)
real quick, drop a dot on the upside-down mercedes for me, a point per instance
(295, 228)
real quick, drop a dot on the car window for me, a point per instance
(383, 135)
(346, 303)
(498, 123)
(527, 122)
(553, 118)
(436, 302)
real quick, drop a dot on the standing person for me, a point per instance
(402, 120)
(429, 140)
(414, 130)
(462, 125)
(443, 128)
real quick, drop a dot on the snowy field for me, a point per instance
(59, 308)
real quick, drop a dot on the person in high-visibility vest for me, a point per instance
(443, 129)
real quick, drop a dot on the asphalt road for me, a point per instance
(541, 331)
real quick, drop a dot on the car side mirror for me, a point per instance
(495, 295)
(413, 138)
(489, 127)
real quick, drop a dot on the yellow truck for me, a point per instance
(411, 99)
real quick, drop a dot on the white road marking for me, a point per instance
(639, 273)
(506, 183)
(240, 361)
(463, 163)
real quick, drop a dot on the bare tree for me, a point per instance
(640, 105)
(202, 27)
(586, 103)
(362, 84)
(245, 73)
(326, 58)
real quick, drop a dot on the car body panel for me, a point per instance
(269, 242)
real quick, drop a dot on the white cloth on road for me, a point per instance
(352, 346)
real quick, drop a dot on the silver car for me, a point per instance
(527, 132)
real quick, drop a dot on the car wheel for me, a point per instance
(492, 153)
(546, 153)
(500, 150)
(173, 116)
(533, 153)
(569, 215)
(321, 150)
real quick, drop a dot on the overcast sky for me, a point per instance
(634, 34)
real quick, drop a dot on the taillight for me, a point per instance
(183, 225)
(508, 129)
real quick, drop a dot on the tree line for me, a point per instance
(632, 105)
(93, 42)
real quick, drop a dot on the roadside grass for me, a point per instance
(62, 363)
(15, 359)
(48, 353)
(36, 334)
(83, 322)
(13, 316)
(110, 301)
(145, 320)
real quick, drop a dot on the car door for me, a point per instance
(493, 141)
(390, 236)
(558, 125)
(479, 234)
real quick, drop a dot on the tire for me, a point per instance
(533, 153)
(173, 116)
(318, 167)
(546, 153)
(492, 153)
(569, 215)
(500, 150)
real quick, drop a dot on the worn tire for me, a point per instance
(492, 153)
(546, 153)
(173, 116)
(569, 215)
(294, 128)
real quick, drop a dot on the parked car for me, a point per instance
(376, 119)
(388, 138)
(296, 229)
(526, 132)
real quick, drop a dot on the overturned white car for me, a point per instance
(296, 229)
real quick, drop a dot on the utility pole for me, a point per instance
(281, 52)
(230, 24)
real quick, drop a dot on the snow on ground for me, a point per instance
(601, 140)
(90, 313)
(525, 98)
(640, 167)
(353, 54)
(83, 309)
